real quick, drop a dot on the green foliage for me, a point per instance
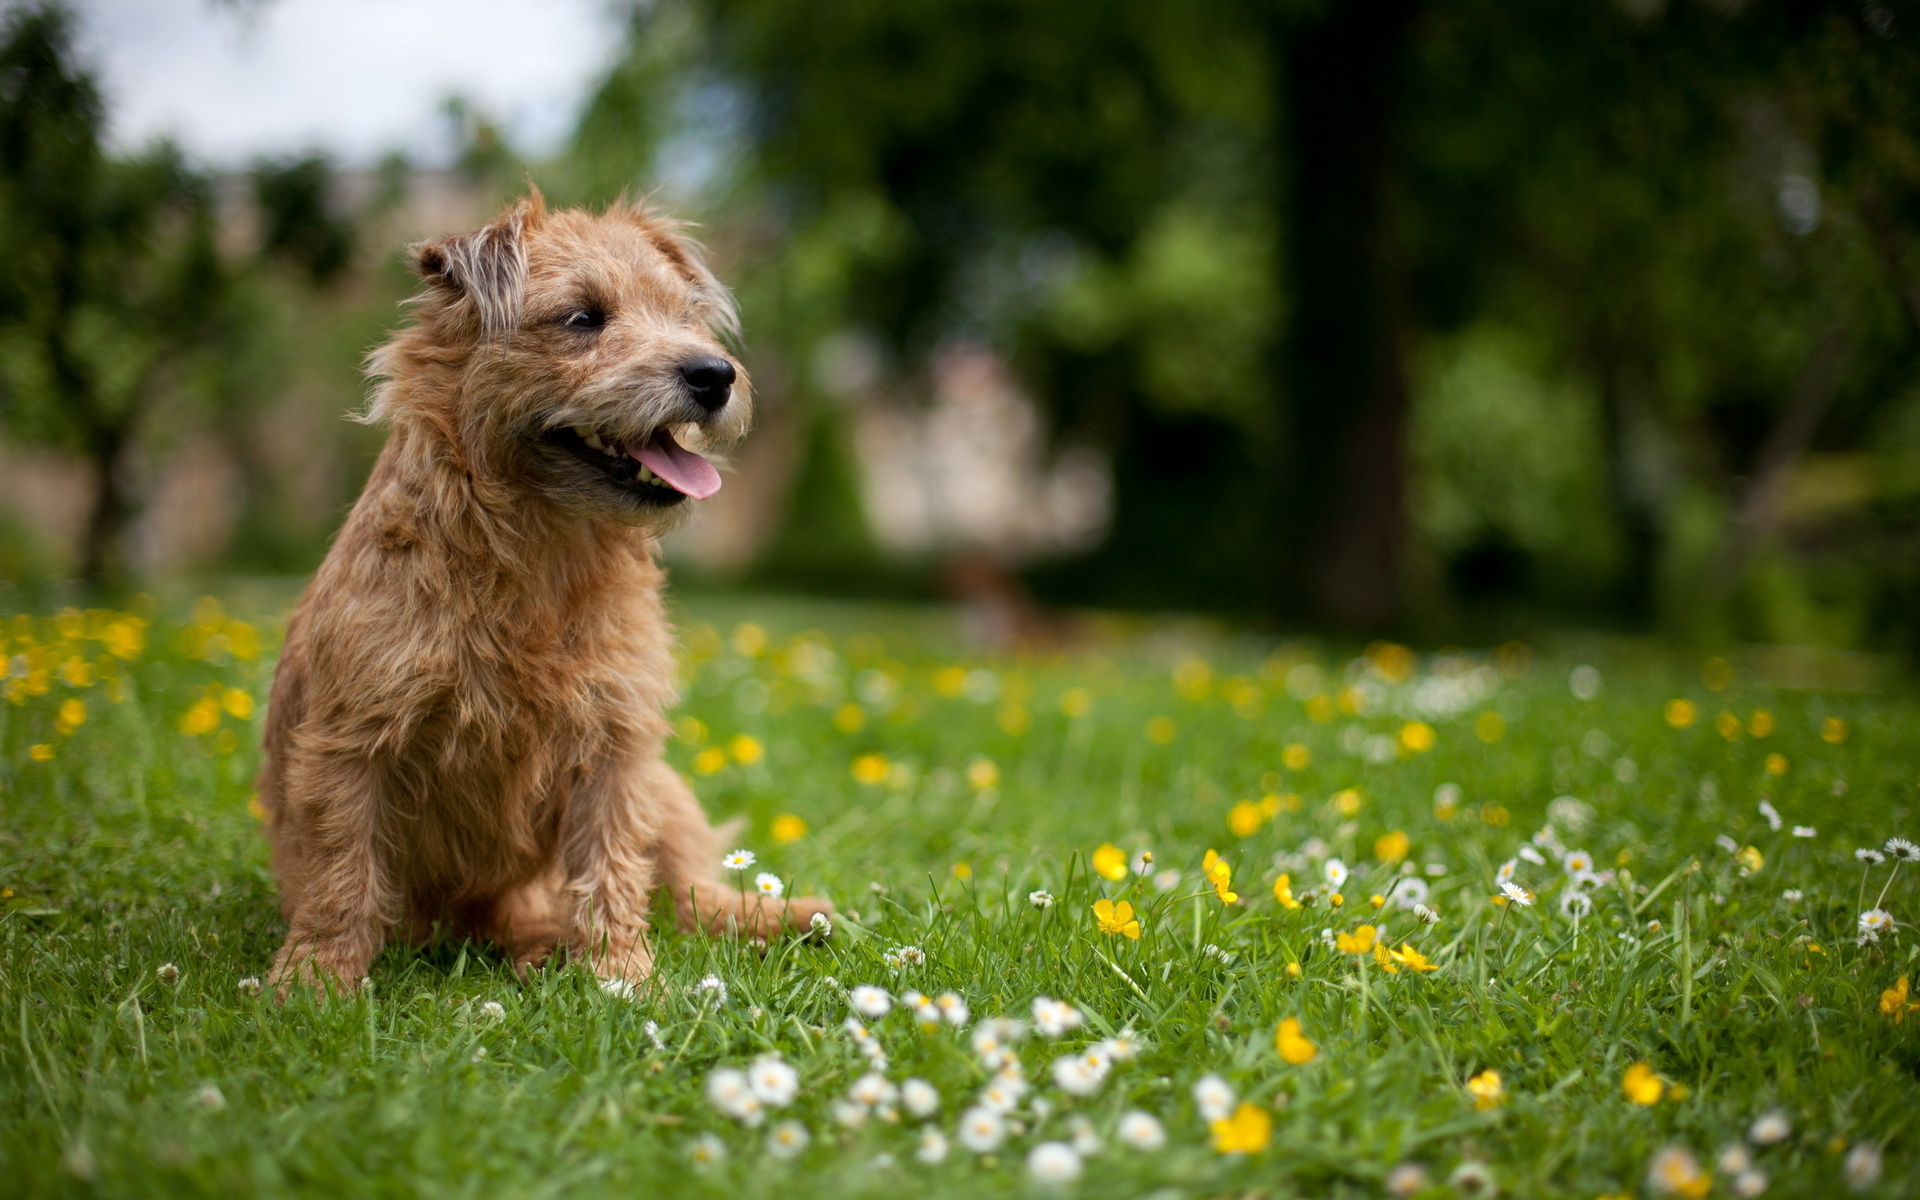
(132, 847)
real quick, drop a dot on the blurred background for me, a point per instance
(1457, 319)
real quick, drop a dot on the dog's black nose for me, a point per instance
(710, 380)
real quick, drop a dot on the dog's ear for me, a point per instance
(487, 267)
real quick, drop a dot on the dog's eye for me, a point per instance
(585, 318)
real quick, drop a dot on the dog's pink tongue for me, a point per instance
(684, 470)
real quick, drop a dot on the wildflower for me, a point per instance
(1903, 850)
(250, 986)
(1533, 856)
(1805, 831)
(167, 973)
(1115, 918)
(1141, 1130)
(1220, 874)
(1505, 874)
(873, 1090)
(919, 1097)
(1575, 905)
(819, 924)
(902, 957)
(1577, 862)
(1681, 713)
(1166, 881)
(1875, 921)
(1750, 860)
(871, 769)
(1336, 900)
(1360, 941)
(738, 860)
(1726, 843)
(731, 1092)
(1335, 873)
(925, 1015)
(1517, 894)
(1894, 1002)
(994, 1039)
(1409, 892)
(1406, 1180)
(788, 828)
(982, 1130)
(1247, 1131)
(1749, 1183)
(768, 884)
(1413, 960)
(1291, 1043)
(651, 1029)
(1040, 899)
(1772, 815)
(492, 1010)
(1776, 764)
(40, 752)
(713, 985)
(1872, 858)
(932, 1148)
(848, 1114)
(1122, 1046)
(1391, 847)
(209, 1097)
(1676, 1172)
(1110, 862)
(1216, 953)
(1862, 1166)
(1245, 819)
(1734, 1159)
(1054, 1163)
(952, 1008)
(1283, 892)
(1054, 1018)
(773, 1081)
(870, 1002)
(706, 1151)
(1769, 1128)
(1002, 1094)
(1214, 1097)
(1425, 915)
(1642, 1086)
(787, 1139)
(1472, 1179)
(1081, 1073)
(1486, 1089)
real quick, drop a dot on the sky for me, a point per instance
(235, 81)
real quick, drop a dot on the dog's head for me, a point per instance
(584, 355)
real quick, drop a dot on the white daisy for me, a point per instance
(1166, 881)
(919, 1097)
(820, 925)
(714, 986)
(1214, 1097)
(921, 1006)
(706, 1151)
(1081, 1073)
(1876, 921)
(731, 1093)
(848, 1114)
(1533, 856)
(1772, 815)
(1805, 831)
(1518, 894)
(1505, 874)
(652, 1030)
(932, 1148)
(1770, 1127)
(1750, 1183)
(1142, 1131)
(1726, 843)
(1086, 1140)
(873, 1090)
(1122, 1046)
(982, 1130)
(907, 956)
(1410, 893)
(1734, 1159)
(1405, 1180)
(773, 1081)
(1862, 1167)
(768, 884)
(738, 860)
(493, 1010)
(1040, 899)
(787, 1139)
(1903, 850)
(952, 1008)
(1436, 870)
(1575, 905)
(870, 1002)
(1792, 895)
(1872, 858)
(619, 989)
(1425, 915)
(1054, 1018)
(1335, 873)
(1002, 1093)
(250, 986)
(1054, 1163)
(210, 1097)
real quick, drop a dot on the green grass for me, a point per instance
(133, 847)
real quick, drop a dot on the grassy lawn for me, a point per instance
(929, 794)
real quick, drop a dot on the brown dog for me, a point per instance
(466, 726)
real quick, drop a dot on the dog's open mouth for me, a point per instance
(660, 468)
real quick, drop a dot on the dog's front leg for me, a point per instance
(344, 907)
(608, 852)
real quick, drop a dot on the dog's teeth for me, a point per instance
(593, 439)
(582, 431)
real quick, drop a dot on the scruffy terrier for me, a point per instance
(466, 726)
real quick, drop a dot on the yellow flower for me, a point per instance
(1384, 958)
(1377, 900)
(1894, 1002)
(1296, 757)
(749, 640)
(1390, 848)
(1833, 731)
(1336, 900)
(1682, 713)
(256, 809)
(1192, 678)
(1269, 806)
(1246, 1132)
(1727, 725)
(1417, 737)
(1360, 941)
(239, 704)
(710, 760)
(1413, 960)
(1347, 801)
(870, 769)
(1495, 814)
(746, 749)
(1160, 730)
(1776, 764)
(1293, 970)
(849, 718)
(1110, 862)
(1486, 1089)
(73, 714)
(41, 752)
(1288, 1040)
(1014, 719)
(1076, 702)
(1245, 819)
(1760, 723)
(951, 682)
(691, 729)
(1220, 874)
(788, 828)
(1489, 727)
(1750, 860)
(1677, 1172)
(1642, 1085)
(963, 870)
(1321, 710)
(203, 717)
(1116, 918)
(983, 773)
(1283, 892)
(76, 672)
(125, 638)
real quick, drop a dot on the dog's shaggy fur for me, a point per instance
(466, 727)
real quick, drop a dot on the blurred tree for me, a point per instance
(299, 224)
(113, 296)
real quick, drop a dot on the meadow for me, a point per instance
(1173, 914)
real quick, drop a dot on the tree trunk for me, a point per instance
(1346, 392)
(103, 564)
